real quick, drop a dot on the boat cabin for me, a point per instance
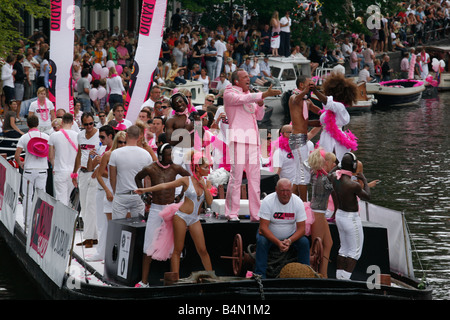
(287, 70)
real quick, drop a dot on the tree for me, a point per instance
(11, 13)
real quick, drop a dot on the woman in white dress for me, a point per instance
(205, 80)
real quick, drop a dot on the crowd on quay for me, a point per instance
(101, 141)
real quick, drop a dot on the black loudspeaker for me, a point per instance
(124, 251)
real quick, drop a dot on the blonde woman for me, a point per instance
(120, 140)
(321, 163)
(114, 87)
(275, 38)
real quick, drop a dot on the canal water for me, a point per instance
(408, 149)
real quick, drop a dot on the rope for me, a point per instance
(258, 279)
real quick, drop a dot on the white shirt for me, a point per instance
(284, 160)
(65, 153)
(7, 76)
(42, 112)
(128, 160)
(263, 66)
(363, 75)
(148, 103)
(222, 85)
(254, 69)
(205, 84)
(229, 68)
(86, 145)
(222, 124)
(114, 85)
(32, 161)
(285, 20)
(283, 217)
(220, 48)
(32, 69)
(346, 48)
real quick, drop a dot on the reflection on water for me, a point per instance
(408, 149)
(14, 283)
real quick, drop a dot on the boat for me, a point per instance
(287, 70)
(46, 249)
(396, 93)
(195, 87)
(440, 53)
(364, 101)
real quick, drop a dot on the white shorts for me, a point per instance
(275, 42)
(154, 221)
(351, 234)
(124, 203)
(107, 205)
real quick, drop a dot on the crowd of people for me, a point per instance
(101, 140)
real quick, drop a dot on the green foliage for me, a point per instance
(11, 12)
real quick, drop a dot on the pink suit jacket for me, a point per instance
(243, 111)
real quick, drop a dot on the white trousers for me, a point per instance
(219, 66)
(31, 179)
(62, 183)
(102, 223)
(88, 190)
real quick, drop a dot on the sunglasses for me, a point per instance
(210, 101)
(121, 142)
(189, 97)
(88, 124)
(102, 137)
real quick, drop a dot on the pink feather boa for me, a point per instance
(347, 138)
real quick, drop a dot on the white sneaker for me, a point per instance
(140, 284)
(234, 219)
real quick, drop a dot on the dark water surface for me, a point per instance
(408, 149)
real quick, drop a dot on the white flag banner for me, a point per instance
(49, 239)
(151, 28)
(9, 194)
(62, 31)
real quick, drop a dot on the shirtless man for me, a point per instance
(161, 171)
(180, 120)
(299, 105)
(348, 220)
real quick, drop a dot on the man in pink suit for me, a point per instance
(243, 108)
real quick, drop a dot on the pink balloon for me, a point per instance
(110, 64)
(101, 92)
(119, 69)
(89, 77)
(97, 68)
(93, 94)
(104, 73)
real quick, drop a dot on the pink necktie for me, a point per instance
(305, 110)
